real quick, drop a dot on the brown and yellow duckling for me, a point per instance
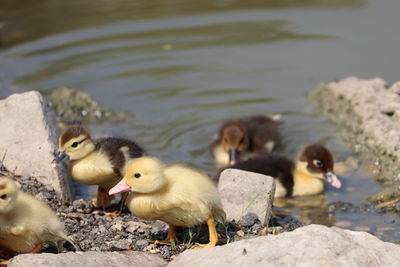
(177, 195)
(245, 137)
(308, 176)
(96, 162)
(26, 223)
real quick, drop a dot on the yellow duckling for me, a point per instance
(177, 195)
(25, 222)
(99, 162)
(307, 176)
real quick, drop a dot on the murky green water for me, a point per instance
(182, 67)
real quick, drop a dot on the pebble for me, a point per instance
(123, 244)
(240, 233)
(132, 226)
(344, 224)
(166, 252)
(249, 219)
(362, 228)
(384, 229)
(116, 227)
(273, 230)
(141, 244)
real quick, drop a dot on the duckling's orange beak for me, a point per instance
(233, 156)
(121, 187)
(333, 179)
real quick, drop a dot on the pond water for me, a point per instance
(182, 67)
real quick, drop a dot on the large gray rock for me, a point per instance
(88, 259)
(28, 139)
(243, 192)
(313, 245)
(368, 114)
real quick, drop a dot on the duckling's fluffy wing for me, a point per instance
(40, 218)
(193, 194)
(32, 222)
(119, 151)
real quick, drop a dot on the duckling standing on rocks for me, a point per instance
(307, 176)
(245, 137)
(25, 222)
(99, 162)
(177, 195)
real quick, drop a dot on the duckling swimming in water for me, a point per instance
(308, 176)
(25, 222)
(176, 194)
(99, 162)
(245, 137)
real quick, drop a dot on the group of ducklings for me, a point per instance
(175, 194)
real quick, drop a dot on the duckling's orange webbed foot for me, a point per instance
(113, 213)
(37, 249)
(213, 235)
(169, 240)
(4, 262)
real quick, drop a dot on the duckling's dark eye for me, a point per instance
(318, 163)
(137, 175)
(4, 197)
(75, 144)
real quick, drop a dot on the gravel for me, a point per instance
(93, 230)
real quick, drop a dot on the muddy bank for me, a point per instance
(367, 113)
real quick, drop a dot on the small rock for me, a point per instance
(166, 252)
(132, 226)
(240, 197)
(362, 228)
(123, 244)
(75, 215)
(240, 233)
(249, 219)
(102, 228)
(116, 227)
(141, 244)
(273, 230)
(344, 224)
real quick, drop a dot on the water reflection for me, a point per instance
(126, 49)
(309, 209)
(28, 20)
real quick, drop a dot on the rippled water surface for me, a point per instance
(182, 67)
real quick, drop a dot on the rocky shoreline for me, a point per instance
(103, 239)
(374, 108)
